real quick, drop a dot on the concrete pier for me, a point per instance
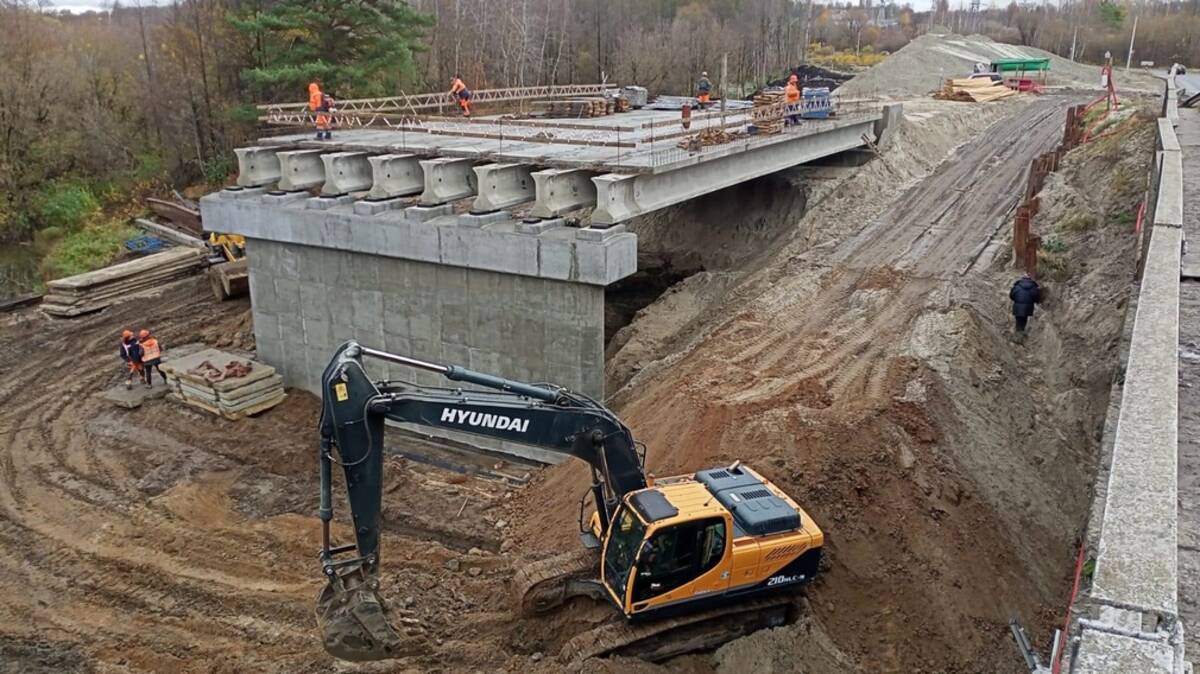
(301, 170)
(345, 172)
(558, 191)
(395, 175)
(528, 306)
(447, 179)
(502, 186)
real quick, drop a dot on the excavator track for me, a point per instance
(663, 639)
(541, 586)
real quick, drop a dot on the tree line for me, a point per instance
(98, 108)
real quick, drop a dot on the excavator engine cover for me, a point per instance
(353, 619)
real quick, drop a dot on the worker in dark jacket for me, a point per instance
(131, 353)
(1024, 294)
(704, 87)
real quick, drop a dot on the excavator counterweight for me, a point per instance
(684, 551)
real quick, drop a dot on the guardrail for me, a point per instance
(1127, 616)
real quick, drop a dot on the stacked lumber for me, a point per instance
(973, 90)
(95, 290)
(577, 107)
(621, 104)
(224, 384)
(767, 113)
(706, 138)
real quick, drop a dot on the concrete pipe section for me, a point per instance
(257, 166)
(301, 170)
(558, 191)
(345, 172)
(395, 175)
(447, 179)
(502, 186)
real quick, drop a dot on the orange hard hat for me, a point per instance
(126, 334)
(143, 334)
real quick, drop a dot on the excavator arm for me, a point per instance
(354, 412)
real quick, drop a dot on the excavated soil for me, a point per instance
(858, 355)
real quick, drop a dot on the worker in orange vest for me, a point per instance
(791, 99)
(704, 87)
(131, 354)
(319, 102)
(151, 357)
(461, 94)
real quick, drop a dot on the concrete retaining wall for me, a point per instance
(1127, 620)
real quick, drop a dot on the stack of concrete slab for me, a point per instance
(224, 384)
(95, 290)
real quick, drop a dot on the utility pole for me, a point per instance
(1129, 58)
(724, 88)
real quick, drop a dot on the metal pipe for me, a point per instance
(456, 373)
(405, 360)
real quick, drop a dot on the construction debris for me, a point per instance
(224, 384)
(707, 138)
(976, 89)
(95, 290)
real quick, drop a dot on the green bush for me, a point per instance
(66, 205)
(87, 249)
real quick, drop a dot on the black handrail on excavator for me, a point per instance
(353, 412)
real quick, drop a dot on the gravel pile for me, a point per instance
(922, 64)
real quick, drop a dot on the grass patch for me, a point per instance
(1124, 219)
(1079, 221)
(64, 205)
(88, 248)
(1052, 258)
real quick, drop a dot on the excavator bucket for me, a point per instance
(353, 619)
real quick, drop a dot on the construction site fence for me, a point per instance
(439, 99)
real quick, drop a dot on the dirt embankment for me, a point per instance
(865, 363)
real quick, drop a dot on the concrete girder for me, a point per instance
(621, 197)
(345, 172)
(300, 170)
(558, 191)
(395, 175)
(502, 186)
(257, 166)
(447, 179)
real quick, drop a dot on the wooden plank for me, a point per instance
(131, 268)
(174, 236)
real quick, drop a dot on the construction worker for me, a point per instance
(131, 354)
(791, 99)
(461, 94)
(1025, 294)
(319, 102)
(151, 357)
(704, 87)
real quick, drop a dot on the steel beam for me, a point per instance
(446, 180)
(345, 172)
(395, 175)
(502, 186)
(558, 191)
(300, 170)
(257, 166)
(621, 197)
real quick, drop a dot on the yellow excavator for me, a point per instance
(689, 562)
(228, 274)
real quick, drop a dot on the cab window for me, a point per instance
(677, 555)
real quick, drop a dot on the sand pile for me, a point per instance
(923, 64)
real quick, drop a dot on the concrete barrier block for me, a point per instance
(346, 172)
(447, 179)
(607, 261)
(257, 166)
(395, 175)
(1167, 140)
(370, 207)
(558, 191)
(614, 199)
(427, 213)
(481, 219)
(300, 170)
(539, 226)
(1168, 210)
(502, 186)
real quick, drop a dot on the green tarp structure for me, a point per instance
(1020, 65)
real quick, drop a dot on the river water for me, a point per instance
(18, 270)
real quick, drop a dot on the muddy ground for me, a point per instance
(858, 354)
